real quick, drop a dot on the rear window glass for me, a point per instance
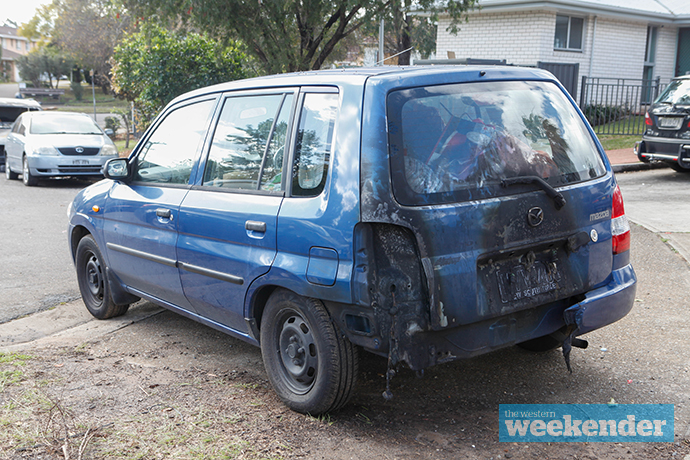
(677, 92)
(458, 142)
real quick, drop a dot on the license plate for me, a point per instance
(670, 122)
(521, 282)
(80, 162)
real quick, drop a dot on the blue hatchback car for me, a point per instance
(424, 214)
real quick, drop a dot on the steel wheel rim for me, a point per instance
(25, 171)
(93, 276)
(298, 355)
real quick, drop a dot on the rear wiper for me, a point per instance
(558, 199)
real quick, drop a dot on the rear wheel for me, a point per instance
(310, 364)
(27, 178)
(678, 168)
(9, 175)
(540, 344)
(93, 283)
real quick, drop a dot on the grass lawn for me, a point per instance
(610, 142)
(105, 103)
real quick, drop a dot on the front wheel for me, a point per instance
(93, 283)
(9, 175)
(28, 179)
(310, 364)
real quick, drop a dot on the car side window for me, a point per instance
(19, 127)
(169, 153)
(249, 143)
(314, 143)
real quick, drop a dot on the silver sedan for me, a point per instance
(53, 144)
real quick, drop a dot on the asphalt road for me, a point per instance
(36, 270)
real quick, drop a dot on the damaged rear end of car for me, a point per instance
(489, 217)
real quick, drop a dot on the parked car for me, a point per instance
(10, 109)
(667, 136)
(424, 214)
(56, 144)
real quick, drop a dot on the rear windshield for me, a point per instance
(457, 142)
(677, 93)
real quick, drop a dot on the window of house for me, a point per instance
(569, 33)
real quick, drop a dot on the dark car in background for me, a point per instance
(10, 109)
(667, 137)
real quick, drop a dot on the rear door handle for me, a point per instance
(164, 213)
(255, 226)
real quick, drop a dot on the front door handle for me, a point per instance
(164, 213)
(255, 226)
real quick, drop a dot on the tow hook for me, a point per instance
(568, 340)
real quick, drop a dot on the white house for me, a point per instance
(631, 39)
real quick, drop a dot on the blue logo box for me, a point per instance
(586, 422)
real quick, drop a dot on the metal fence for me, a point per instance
(617, 105)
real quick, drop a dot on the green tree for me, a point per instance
(154, 66)
(289, 35)
(44, 61)
(86, 30)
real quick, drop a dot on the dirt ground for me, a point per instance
(167, 387)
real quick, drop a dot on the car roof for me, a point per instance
(359, 75)
(14, 102)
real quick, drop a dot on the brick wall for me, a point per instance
(526, 37)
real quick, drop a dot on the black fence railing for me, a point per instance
(617, 106)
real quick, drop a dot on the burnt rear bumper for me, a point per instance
(605, 305)
(598, 308)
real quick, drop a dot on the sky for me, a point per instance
(19, 11)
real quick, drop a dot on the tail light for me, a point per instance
(647, 119)
(620, 229)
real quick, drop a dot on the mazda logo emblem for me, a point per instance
(80, 149)
(535, 216)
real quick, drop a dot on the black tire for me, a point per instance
(678, 168)
(9, 175)
(311, 365)
(27, 178)
(540, 344)
(93, 283)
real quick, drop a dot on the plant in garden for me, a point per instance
(153, 66)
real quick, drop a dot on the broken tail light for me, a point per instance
(620, 228)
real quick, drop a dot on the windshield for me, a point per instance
(459, 142)
(9, 114)
(676, 93)
(63, 125)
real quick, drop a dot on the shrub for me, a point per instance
(599, 114)
(112, 123)
(77, 90)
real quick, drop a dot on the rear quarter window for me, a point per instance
(457, 142)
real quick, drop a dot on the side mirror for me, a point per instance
(109, 132)
(116, 169)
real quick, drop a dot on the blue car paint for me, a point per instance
(455, 320)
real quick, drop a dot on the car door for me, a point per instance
(14, 145)
(141, 216)
(227, 221)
